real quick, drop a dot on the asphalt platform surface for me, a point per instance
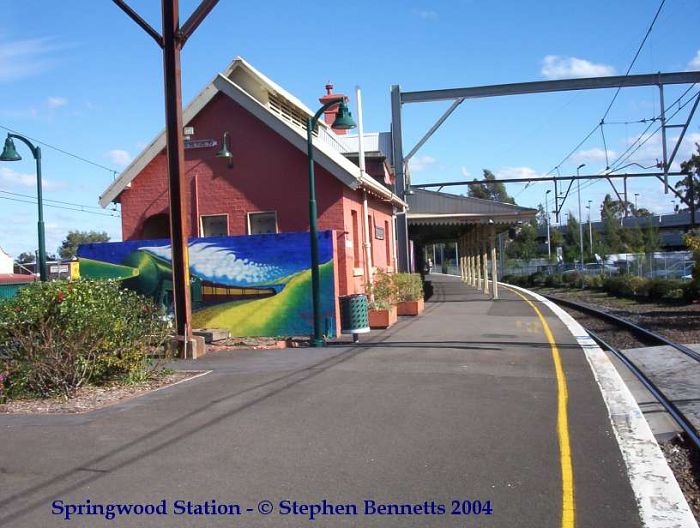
(456, 408)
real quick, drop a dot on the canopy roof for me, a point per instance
(436, 208)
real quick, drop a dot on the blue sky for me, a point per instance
(81, 76)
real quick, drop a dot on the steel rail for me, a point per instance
(666, 403)
(628, 325)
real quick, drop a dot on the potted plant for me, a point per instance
(409, 288)
(382, 304)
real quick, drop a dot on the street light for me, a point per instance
(590, 229)
(580, 225)
(9, 153)
(343, 121)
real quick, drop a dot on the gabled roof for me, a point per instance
(275, 107)
(437, 208)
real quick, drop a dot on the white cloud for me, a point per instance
(466, 173)
(520, 173)
(222, 264)
(557, 67)
(425, 14)
(119, 157)
(651, 151)
(56, 102)
(593, 155)
(421, 163)
(25, 58)
(695, 63)
(12, 179)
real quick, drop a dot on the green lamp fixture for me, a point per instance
(225, 151)
(343, 118)
(9, 153)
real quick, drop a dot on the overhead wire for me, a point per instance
(62, 151)
(612, 101)
(52, 201)
(114, 214)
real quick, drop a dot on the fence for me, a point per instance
(674, 264)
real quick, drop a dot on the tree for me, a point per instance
(572, 240)
(691, 168)
(69, 246)
(541, 215)
(492, 189)
(25, 257)
(616, 208)
(524, 245)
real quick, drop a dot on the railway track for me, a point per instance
(647, 337)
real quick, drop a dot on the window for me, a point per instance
(355, 240)
(262, 223)
(214, 225)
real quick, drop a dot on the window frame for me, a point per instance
(248, 224)
(201, 224)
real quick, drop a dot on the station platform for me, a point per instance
(460, 405)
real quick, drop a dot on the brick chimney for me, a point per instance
(329, 114)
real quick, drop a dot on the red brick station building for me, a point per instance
(266, 188)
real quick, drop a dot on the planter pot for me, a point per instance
(382, 318)
(411, 307)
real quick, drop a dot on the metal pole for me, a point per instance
(317, 339)
(590, 228)
(546, 213)
(580, 224)
(176, 175)
(400, 185)
(494, 266)
(43, 275)
(663, 137)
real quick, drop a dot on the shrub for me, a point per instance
(382, 292)
(593, 281)
(409, 286)
(571, 278)
(57, 336)
(537, 279)
(555, 280)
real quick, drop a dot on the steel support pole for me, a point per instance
(494, 265)
(477, 258)
(317, 338)
(664, 147)
(176, 174)
(400, 178)
(484, 259)
(580, 222)
(43, 272)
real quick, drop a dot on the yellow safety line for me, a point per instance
(567, 472)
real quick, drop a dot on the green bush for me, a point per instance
(537, 279)
(571, 278)
(409, 286)
(594, 282)
(58, 336)
(382, 292)
(555, 280)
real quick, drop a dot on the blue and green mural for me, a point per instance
(256, 285)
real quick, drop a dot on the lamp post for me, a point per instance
(590, 229)
(546, 214)
(9, 153)
(580, 225)
(343, 121)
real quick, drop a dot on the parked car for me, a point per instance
(594, 268)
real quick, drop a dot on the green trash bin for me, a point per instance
(354, 318)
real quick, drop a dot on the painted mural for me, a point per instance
(256, 285)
